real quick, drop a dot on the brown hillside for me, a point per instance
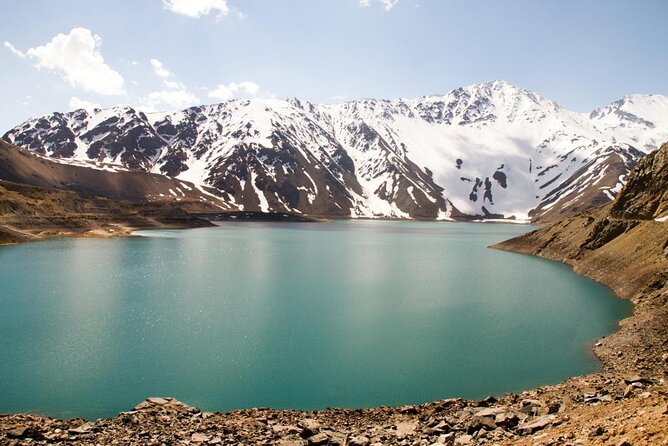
(96, 179)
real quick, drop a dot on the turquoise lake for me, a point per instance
(289, 315)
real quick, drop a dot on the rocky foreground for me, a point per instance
(624, 245)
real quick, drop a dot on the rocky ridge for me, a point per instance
(489, 150)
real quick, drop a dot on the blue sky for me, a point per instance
(167, 54)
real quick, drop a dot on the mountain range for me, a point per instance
(490, 150)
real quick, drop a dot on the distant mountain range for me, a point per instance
(490, 150)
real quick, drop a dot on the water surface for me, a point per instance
(350, 314)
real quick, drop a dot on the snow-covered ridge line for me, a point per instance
(491, 150)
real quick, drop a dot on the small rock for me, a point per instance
(83, 429)
(634, 379)
(535, 425)
(318, 439)
(157, 401)
(597, 432)
(534, 407)
(141, 406)
(405, 428)
(605, 398)
(199, 438)
(645, 395)
(491, 412)
(358, 440)
(464, 440)
(628, 391)
(17, 432)
(506, 419)
(408, 410)
(441, 427)
(309, 427)
(216, 440)
(488, 423)
(623, 442)
(664, 357)
(446, 439)
(487, 401)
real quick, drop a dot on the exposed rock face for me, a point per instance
(489, 150)
(645, 195)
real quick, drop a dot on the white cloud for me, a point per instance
(173, 84)
(174, 99)
(14, 50)
(224, 92)
(387, 4)
(77, 103)
(160, 69)
(76, 57)
(197, 8)
(175, 95)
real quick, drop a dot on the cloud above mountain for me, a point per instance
(224, 92)
(197, 8)
(77, 59)
(387, 4)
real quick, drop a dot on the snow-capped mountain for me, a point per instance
(491, 150)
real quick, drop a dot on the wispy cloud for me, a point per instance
(197, 8)
(172, 99)
(387, 4)
(160, 69)
(77, 103)
(174, 95)
(77, 59)
(233, 89)
(14, 50)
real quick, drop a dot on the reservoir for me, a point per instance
(289, 315)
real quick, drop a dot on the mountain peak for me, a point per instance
(489, 149)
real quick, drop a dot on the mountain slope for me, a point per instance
(487, 150)
(97, 179)
(42, 198)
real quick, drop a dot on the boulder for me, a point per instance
(358, 440)
(318, 439)
(405, 428)
(17, 432)
(157, 401)
(529, 427)
(83, 429)
(507, 419)
(199, 438)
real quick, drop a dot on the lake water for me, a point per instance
(287, 315)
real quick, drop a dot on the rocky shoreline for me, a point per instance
(594, 409)
(624, 404)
